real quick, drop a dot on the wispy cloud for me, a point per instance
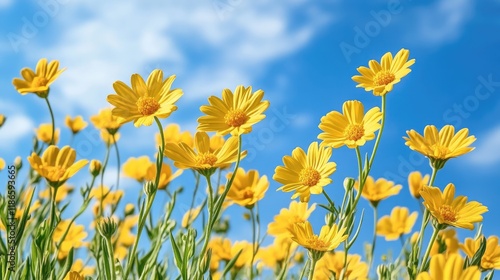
(487, 152)
(16, 127)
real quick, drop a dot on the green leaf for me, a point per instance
(231, 263)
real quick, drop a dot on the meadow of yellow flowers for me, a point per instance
(126, 242)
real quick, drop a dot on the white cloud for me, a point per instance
(15, 128)
(442, 21)
(487, 152)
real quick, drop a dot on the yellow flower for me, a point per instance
(398, 223)
(95, 167)
(491, 257)
(416, 182)
(375, 191)
(278, 253)
(235, 113)
(448, 210)
(306, 174)
(108, 197)
(62, 192)
(2, 164)
(75, 125)
(78, 266)
(328, 239)
(106, 120)
(440, 146)
(172, 134)
(166, 175)
(73, 239)
(446, 243)
(451, 267)
(124, 237)
(73, 275)
(145, 99)
(38, 82)
(297, 212)
(247, 188)
(137, 168)
(381, 77)
(190, 216)
(245, 257)
(221, 251)
(44, 133)
(202, 159)
(2, 119)
(55, 165)
(335, 262)
(352, 127)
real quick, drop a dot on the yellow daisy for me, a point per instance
(381, 77)
(334, 264)
(235, 113)
(306, 174)
(137, 168)
(416, 182)
(247, 187)
(351, 127)
(328, 239)
(55, 165)
(446, 243)
(73, 238)
(38, 81)
(450, 210)
(145, 100)
(166, 175)
(172, 134)
(398, 223)
(491, 257)
(73, 275)
(440, 146)
(451, 267)
(75, 125)
(202, 159)
(375, 191)
(44, 133)
(106, 120)
(297, 212)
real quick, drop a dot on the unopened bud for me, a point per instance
(95, 167)
(107, 227)
(349, 183)
(18, 163)
(129, 209)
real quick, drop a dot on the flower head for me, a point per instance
(328, 239)
(352, 127)
(145, 100)
(73, 275)
(381, 77)
(491, 257)
(375, 191)
(450, 210)
(44, 133)
(416, 182)
(55, 165)
(446, 243)
(234, 113)
(75, 125)
(440, 146)
(73, 239)
(137, 168)
(172, 134)
(38, 81)
(334, 263)
(166, 175)
(247, 188)
(106, 120)
(451, 267)
(297, 212)
(306, 174)
(398, 223)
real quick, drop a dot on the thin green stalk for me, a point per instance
(105, 164)
(53, 206)
(429, 247)
(425, 217)
(111, 254)
(53, 121)
(254, 237)
(374, 240)
(117, 162)
(311, 269)
(379, 135)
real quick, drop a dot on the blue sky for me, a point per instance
(301, 54)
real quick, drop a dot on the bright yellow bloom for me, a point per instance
(2, 119)
(202, 159)
(448, 210)
(124, 237)
(352, 127)
(306, 174)
(106, 120)
(245, 257)
(108, 138)
(38, 81)
(137, 168)
(44, 133)
(73, 275)
(221, 251)
(491, 257)
(235, 113)
(334, 263)
(62, 192)
(297, 212)
(440, 146)
(172, 134)
(190, 216)
(166, 175)
(328, 239)
(55, 165)
(95, 167)
(2, 164)
(381, 77)
(375, 191)
(398, 223)
(446, 243)
(247, 188)
(145, 99)
(108, 197)
(78, 266)
(73, 239)
(416, 182)
(75, 125)
(450, 267)
(278, 253)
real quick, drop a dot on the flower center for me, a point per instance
(354, 132)
(147, 105)
(383, 78)
(248, 193)
(55, 173)
(448, 213)
(439, 151)
(315, 243)
(235, 118)
(39, 81)
(206, 158)
(309, 177)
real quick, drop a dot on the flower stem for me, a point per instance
(374, 240)
(311, 268)
(429, 247)
(53, 121)
(117, 162)
(111, 257)
(254, 238)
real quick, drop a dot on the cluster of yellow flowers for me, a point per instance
(194, 250)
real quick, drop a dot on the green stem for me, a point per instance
(117, 162)
(53, 121)
(311, 269)
(425, 218)
(374, 240)
(106, 160)
(254, 245)
(379, 135)
(429, 247)
(111, 257)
